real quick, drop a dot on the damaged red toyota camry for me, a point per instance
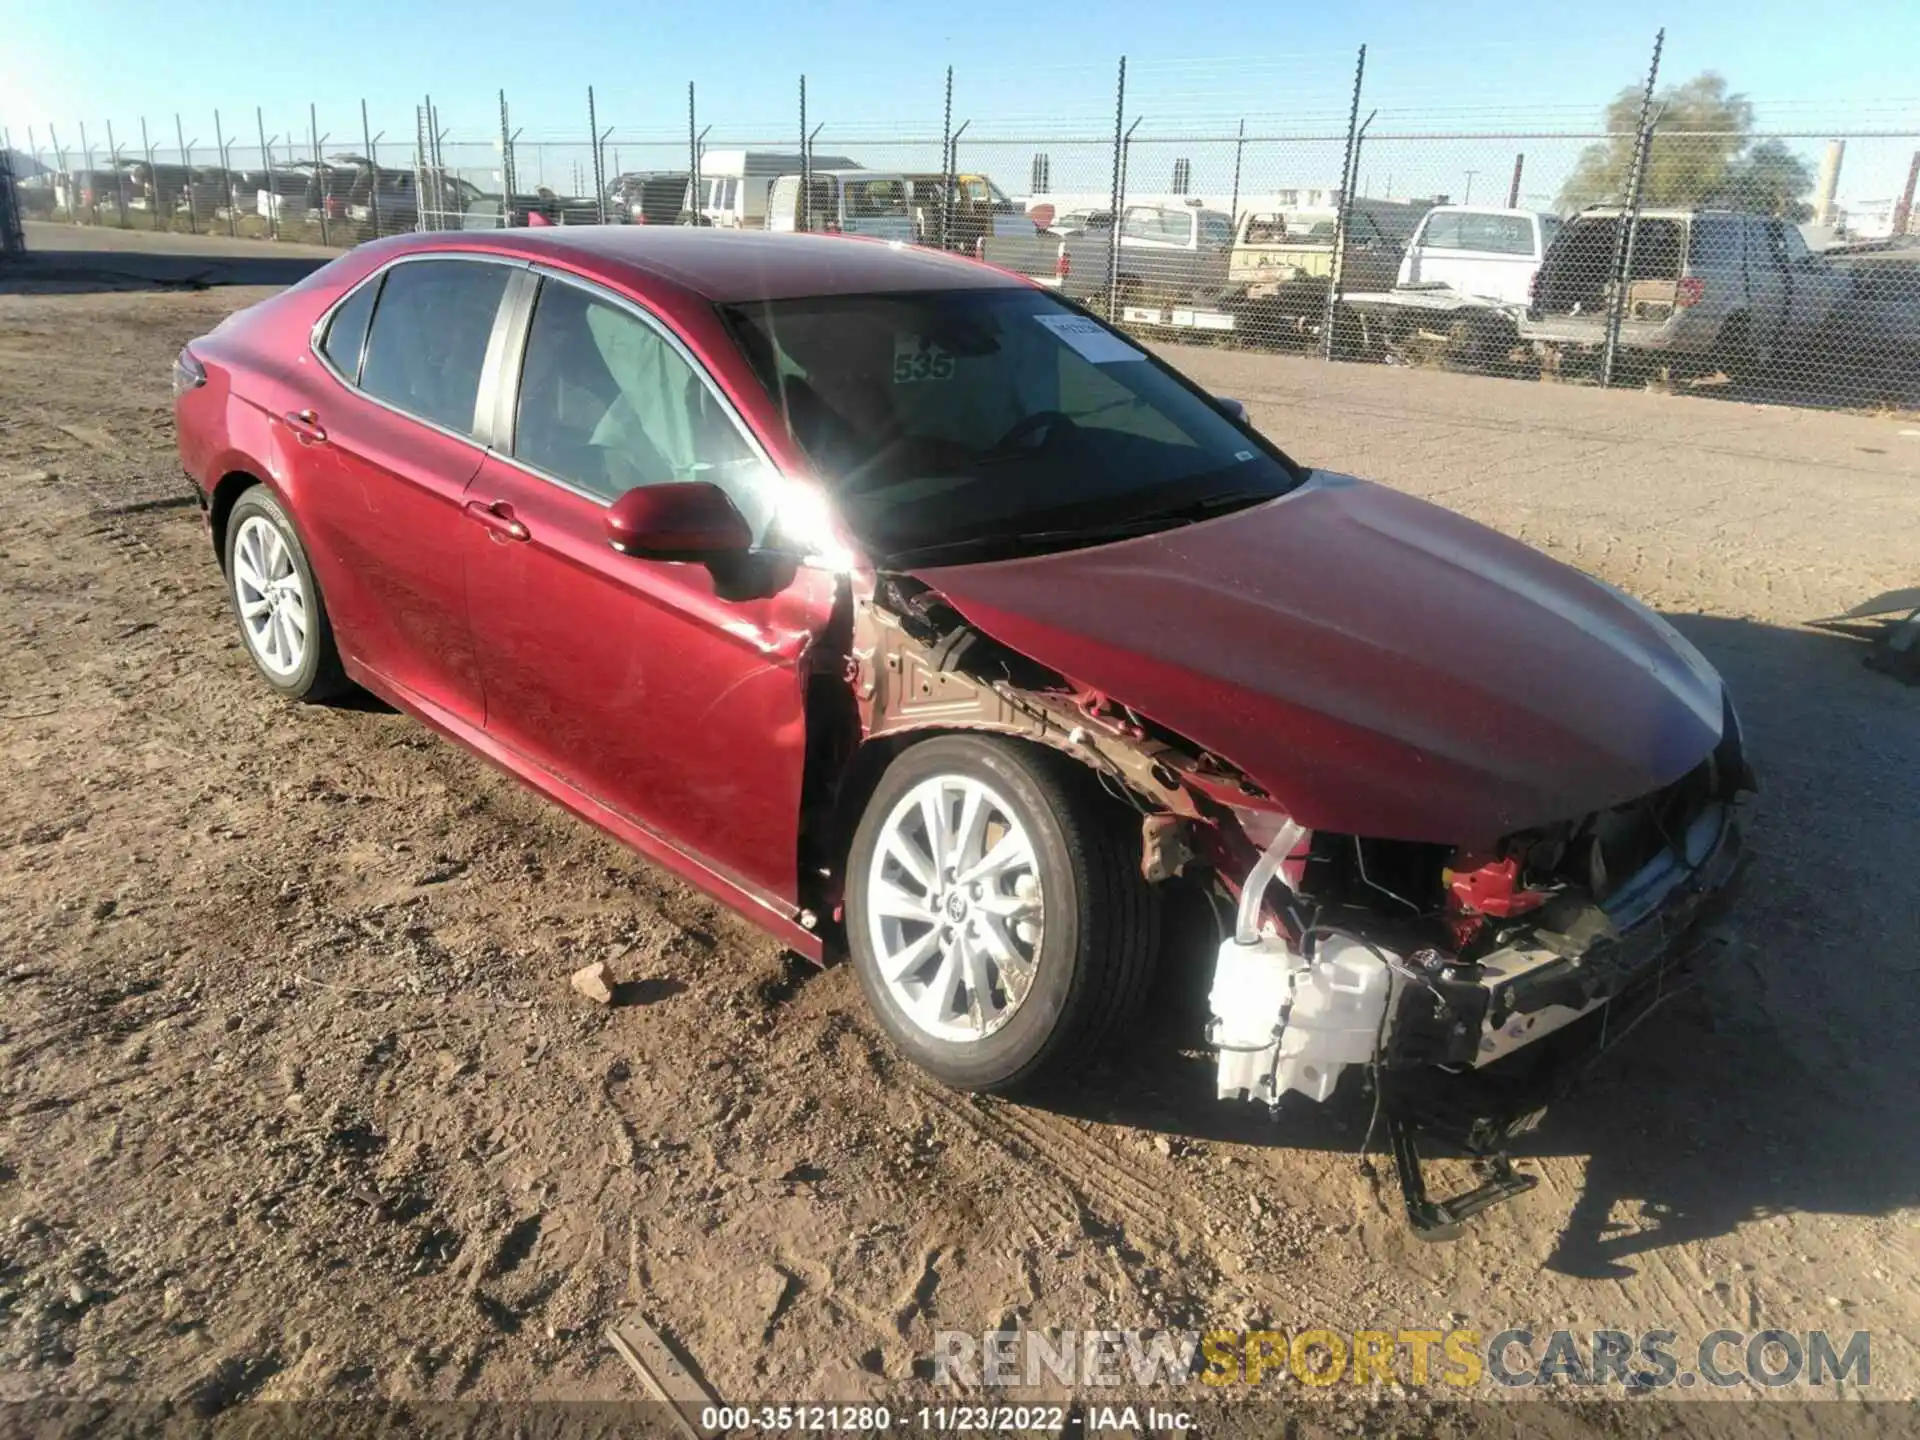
(918, 614)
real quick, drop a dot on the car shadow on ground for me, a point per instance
(1782, 1082)
(83, 271)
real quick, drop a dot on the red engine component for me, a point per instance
(1480, 886)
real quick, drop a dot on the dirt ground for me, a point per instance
(298, 1103)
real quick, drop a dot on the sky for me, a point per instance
(876, 68)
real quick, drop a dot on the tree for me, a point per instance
(1699, 154)
(1769, 180)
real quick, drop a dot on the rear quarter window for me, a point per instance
(346, 333)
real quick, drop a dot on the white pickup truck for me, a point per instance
(1463, 284)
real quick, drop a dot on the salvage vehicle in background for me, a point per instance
(1708, 291)
(1462, 288)
(921, 616)
(975, 209)
(733, 184)
(648, 197)
(844, 202)
(1168, 253)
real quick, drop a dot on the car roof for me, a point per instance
(732, 266)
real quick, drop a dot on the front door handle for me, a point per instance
(306, 426)
(497, 516)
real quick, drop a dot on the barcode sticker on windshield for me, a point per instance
(1089, 339)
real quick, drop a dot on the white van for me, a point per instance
(846, 202)
(1482, 251)
(733, 183)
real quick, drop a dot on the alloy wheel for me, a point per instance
(955, 908)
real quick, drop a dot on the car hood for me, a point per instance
(1381, 666)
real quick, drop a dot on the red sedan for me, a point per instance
(916, 613)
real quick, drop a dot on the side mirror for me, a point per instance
(688, 521)
(1232, 409)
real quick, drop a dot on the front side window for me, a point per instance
(428, 342)
(995, 419)
(1216, 231)
(608, 404)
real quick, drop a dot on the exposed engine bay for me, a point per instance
(1468, 981)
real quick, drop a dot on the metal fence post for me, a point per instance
(693, 157)
(186, 163)
(806, 177)
(86, 155)
(1340, 216)
(1113, 227)
(1239, 152)
(273, 190)
(226, 175)
(506, 168)
(1903, 208)
(593, 134)
(373, 169)
(322, 178)
(119, 187)
(153, 176)
(1624, 235)
(1513, 190)
(946, 162)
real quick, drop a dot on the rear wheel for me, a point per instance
(996, 913)
(283, 620)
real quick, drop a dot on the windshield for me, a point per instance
(1000, 420)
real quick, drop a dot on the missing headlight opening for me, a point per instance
(1439, 971)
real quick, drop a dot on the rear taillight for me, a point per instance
(1533, 288)
(188, 373)
(1063, 265)
(1690, 291)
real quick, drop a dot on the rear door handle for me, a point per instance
(497, 517)
(306, 425)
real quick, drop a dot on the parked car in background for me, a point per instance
(1487, 253)
(1168, 254)
(485, 212)
(922, 617)
(156, 187)
(1460, 292)
(1708, 290)
(844, 202)
(648, 197)
(87, 193)
(733, 184)
(975, 209)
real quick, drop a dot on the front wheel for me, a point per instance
(996, 913)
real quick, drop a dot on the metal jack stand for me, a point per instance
(1442, 1219)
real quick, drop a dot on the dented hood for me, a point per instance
(1382, 666)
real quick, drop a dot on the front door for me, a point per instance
(669, 693)
(390, 443)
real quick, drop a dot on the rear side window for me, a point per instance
(428, 342)
(1715, 240)
(347, 331)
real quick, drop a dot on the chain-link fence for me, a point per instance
(1659, 237)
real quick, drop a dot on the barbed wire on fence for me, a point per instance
(1648, 236)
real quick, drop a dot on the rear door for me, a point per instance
(1489, 255)
(1769, 286)
(392, 436)
(670, 694)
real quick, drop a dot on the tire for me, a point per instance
(299, 666)
(1070, 985)
(1734, 353)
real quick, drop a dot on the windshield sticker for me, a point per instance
(1089, 339)
(916, 358)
